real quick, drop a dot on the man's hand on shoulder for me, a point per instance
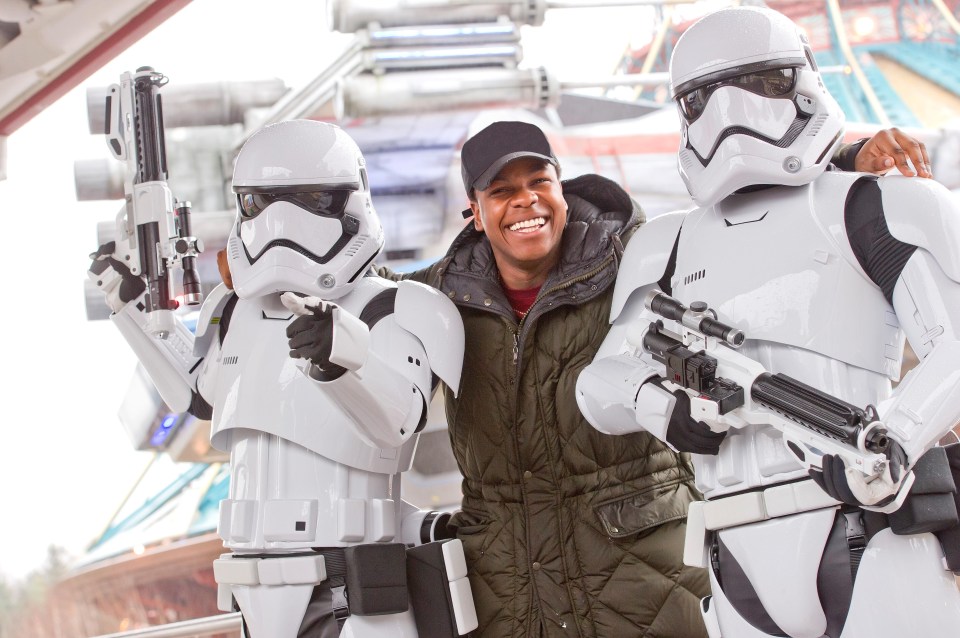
(891, 148)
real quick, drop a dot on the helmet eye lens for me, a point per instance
(768, 83)
(329, 203)
(772, 83)
(251, 204)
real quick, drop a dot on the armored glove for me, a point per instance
(688, 435)
(311, 336)
(851, 486)
(326, 335)
(114, 278)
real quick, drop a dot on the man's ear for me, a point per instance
(477, 222)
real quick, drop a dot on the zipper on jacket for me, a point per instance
(561, 286)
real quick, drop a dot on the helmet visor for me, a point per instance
(328, 203)
(766, 83)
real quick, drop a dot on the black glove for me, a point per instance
(131, 286)
(833, 478)
(311, 338)
(686, 434)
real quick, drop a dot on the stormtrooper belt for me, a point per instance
(762, 505)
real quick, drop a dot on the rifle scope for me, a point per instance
(697, 317)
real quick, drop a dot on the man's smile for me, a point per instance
(528, 225)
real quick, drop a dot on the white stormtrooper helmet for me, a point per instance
(305, 221)
(753, 108)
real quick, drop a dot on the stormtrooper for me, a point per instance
(317, 376)
(762, 331)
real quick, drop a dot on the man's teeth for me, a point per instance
(536, 222)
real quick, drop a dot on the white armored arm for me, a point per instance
(615, 398)
(385, 373)
(612, 392)
(926, 299)
(385, 405)
(174, 363)
(926, 404)
(170, 362)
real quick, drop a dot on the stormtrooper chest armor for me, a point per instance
(776, 263)
(258, 386)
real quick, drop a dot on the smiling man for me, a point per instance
(566, 531)
(523, 214)
(513, 183)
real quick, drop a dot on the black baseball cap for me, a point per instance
(487, 152)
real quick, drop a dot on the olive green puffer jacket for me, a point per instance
(567, 531)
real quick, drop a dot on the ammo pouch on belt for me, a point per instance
(933, 503)
(388, 578)
(377, 579)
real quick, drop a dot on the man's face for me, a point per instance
(523, 214)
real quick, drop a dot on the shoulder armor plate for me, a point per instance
(924, 213)
(435, 321)
(645, 258)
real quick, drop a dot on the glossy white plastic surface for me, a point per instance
(644, 262)
(435, 321)
(709, 50)
(922, 212)
(254, 356)
(209, 319)
(167, 361)
(927, 404)
(902, 589)
(732, 116)
(298, 153)
(695, 550)
(289, 222)
(607, 395)
(273, 611)
(780, 274)
(729, 107)
(929, 298)
(781, 558)
(726, 621)
(302, 155)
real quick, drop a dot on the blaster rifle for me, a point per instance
(153, 231)
(728, 389)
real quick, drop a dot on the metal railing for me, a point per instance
(224, 623)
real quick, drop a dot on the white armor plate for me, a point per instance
(779, 274)
(298, 412)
